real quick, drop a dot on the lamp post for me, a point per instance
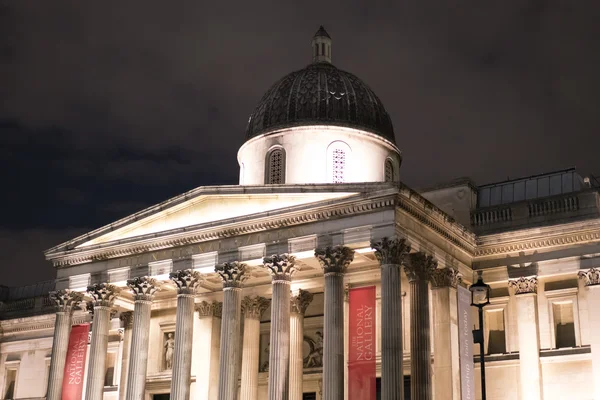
(480, 297)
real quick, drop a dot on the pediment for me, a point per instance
(205, 209)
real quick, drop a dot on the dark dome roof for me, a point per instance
(324, 95)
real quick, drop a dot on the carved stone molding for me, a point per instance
(66, 300)
(233, 274)
(217, 309)
(254, 307)
(524, 285)
(127, 319)
(419, 266)
(281, 267)
(591, 277)
(391, 251)
(335, 259)
(205, 309)
(143, 288)
(445, 277)
(103, 294)
(187, 281)
(299, 303)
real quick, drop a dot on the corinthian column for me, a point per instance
(525, 290)
(233, 274)
(390, 254)
(298, 307)
(446, 373)
(591, 277)
(104, 296)
(419, 267)
(66, 301)
(335, 262)
(253, 309)
(187, 281)
(281, 268)
(127, 323)
(143, 291)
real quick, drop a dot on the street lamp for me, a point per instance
(480, 297)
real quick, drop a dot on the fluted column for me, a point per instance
(298, 306)
(187, 281)
(143, 289)
(335, 262)
(446, 366)
(215, 354)
(419, 268)
(127, 323)
(281, 268)
(525, 290)
(66, 301)
(233, 274)
(591, 277)
(390, 254)
(253, 309)
(104, 296)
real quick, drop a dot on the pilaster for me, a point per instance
(253, 309)
(298, 306)
(591, 278)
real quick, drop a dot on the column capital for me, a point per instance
(591, 277)
(127, 319)
(281, 267)
(254, 307)
(217, 309)
(524, 285)
(419, 266)
(233, 273)
(187, 281)
(445, 277)
(335, 259)
(103, 294)
(300, 302)
(143, 288)
(205, 309)
(66, 300)
(390, 251)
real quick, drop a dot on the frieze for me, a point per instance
(591, 277)
(126, 247)
(524, 285)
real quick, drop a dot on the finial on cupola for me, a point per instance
(321, 45)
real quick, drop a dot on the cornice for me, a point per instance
(292, 216)
(429, 215)
(538, 238)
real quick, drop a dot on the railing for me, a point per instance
(491, 216)
(553, 206)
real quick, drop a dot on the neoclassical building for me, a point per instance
(319, 269)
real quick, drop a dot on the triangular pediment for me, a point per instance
(207, 209)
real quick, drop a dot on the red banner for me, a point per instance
(361, 354)
(75, 364)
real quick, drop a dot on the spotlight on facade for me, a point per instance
(480, 297)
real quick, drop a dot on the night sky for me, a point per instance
(105, 110)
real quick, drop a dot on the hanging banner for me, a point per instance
(361, 354)
(75, 364)
(465, 345)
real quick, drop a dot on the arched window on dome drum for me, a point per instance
(275, 173)
(339, 166)
(389, 170)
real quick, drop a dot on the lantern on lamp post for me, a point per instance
(480, 297)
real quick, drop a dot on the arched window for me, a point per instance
(275, 173)
(389, 170)
(338, 162)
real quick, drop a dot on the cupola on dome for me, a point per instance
(320, 94)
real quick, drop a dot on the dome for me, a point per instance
(320, 94)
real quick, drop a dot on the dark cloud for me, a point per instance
(105, 110)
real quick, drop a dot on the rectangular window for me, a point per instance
(564, 324)
(496, 342)
(10, 382)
